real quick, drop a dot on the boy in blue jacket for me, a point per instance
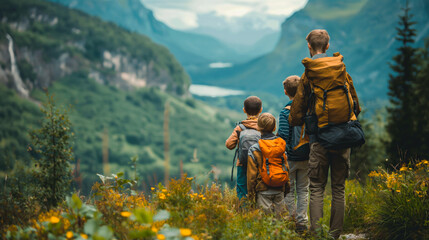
(297, 149)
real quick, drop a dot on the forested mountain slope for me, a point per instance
(117, 84)
(189, 48)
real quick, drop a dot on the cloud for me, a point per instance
(183, 14)
(177, 18)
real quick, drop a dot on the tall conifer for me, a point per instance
(401, 120)
(422, 100)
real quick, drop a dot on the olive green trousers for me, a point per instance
(320, 161)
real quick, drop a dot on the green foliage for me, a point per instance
(17, 204)
(134, 121)
(26, 70)
(391, 205)
(422, 98)
(17, 117)
(51, 143)
(404, 203)
(405, 142)
(366, 158)
(213, 213)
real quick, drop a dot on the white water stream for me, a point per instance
(19, 84)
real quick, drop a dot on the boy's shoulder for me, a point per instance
(248, 123)
(286, 109)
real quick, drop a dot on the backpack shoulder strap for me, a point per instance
(242, 126)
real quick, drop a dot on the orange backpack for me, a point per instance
(274, 169)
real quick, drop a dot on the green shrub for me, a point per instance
(403, 212)
(52, 144)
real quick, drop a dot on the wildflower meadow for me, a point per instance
(389, 205)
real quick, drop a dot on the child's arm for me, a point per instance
(232, 141)
(284, 124)
(300, 102)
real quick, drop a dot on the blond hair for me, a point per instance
(318, 39)
(266, 123)
(290, 84)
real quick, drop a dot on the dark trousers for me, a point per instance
(320, 161)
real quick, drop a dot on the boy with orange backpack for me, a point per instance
(267, 168)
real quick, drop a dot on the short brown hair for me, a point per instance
(318, 39)
(290, 84)
(266, 122)
(252, 105)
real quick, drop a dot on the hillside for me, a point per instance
(53, 42)
(363, 31)
(115, 81)
(190, 49)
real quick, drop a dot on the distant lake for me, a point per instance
(212, 91)
(220, 65)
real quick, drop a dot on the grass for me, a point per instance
(390, 206)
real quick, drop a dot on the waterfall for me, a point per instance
(19, 84)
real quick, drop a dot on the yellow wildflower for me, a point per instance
(84, 236)
(404, 168)
(425, 162)
(189, 178)
(398, 190)
(164, 190)
(69, 234)
(154, 229)
(162, 196)
(125, 214)
(152, 188)
(195, 237)
(203, 198)
(160, 236)
(185, 232)
(54, 220)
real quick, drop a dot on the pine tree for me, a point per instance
(422, 99)
(52, 144)
(401, 120)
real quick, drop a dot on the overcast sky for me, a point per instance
(186, 14)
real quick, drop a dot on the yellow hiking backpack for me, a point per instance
(331, 104)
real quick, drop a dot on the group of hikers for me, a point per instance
(317, 129)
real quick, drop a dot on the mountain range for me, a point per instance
(363, 31)
(191, 49)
